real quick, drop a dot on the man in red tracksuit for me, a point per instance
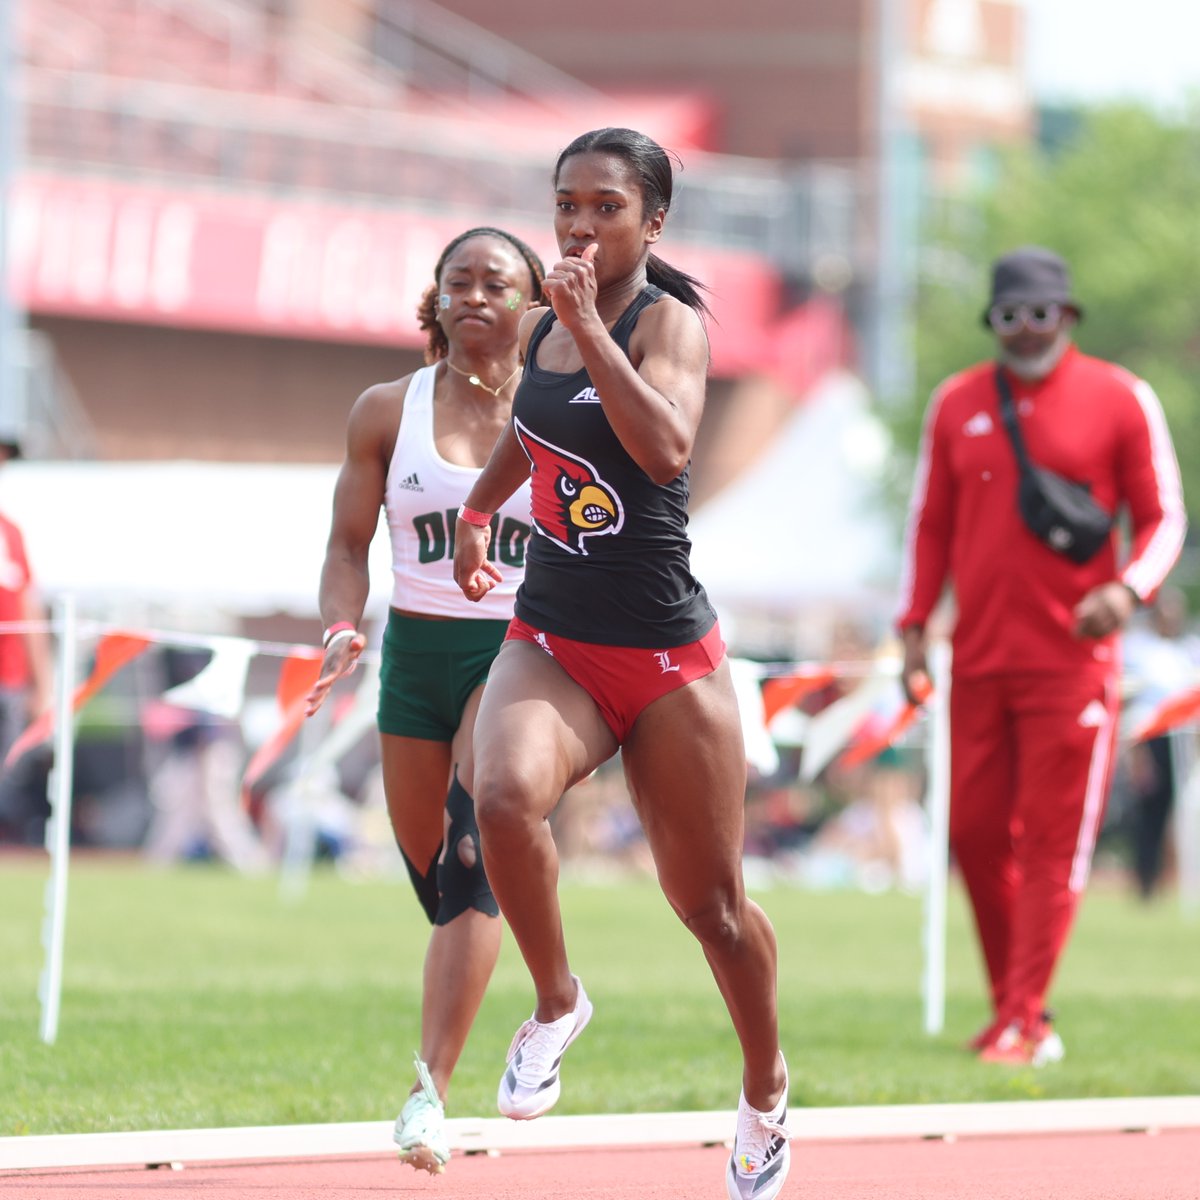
(1035, 653)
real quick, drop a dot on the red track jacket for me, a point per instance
(14, 580)
(1088, 420)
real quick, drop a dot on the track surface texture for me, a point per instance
(1077, 1166)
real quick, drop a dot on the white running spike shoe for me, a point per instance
(530, 1084)
(761, 1155)
(421, 1127)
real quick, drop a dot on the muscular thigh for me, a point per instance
(538, 732)
(416, 777)
(685, 762)
(462, 748)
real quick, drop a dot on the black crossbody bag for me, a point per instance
(1058, 511)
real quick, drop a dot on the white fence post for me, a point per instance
(937, 805)
(58, 827)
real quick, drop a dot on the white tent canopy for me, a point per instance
(800, 526)
(245, 538)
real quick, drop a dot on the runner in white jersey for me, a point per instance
(415, 447)
(423, 492)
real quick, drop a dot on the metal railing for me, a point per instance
(793, 213)
(439, 50)
(264, 134)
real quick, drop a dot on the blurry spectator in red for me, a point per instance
(26, 671)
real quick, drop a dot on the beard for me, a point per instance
(1032, 367)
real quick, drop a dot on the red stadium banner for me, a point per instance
(118, 251)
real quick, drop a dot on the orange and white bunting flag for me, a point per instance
(220, 688)
(353, 718)
(876, 735)
(296, 678)
(761, 753)
(829, 732)
(1179, 709)
(113, 651)
(784, 691)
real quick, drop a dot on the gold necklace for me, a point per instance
(471, 377)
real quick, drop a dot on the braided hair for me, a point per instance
(436, 346)
(652, 165)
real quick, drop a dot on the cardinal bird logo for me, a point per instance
(570, 501)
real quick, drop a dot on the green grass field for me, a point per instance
(195, 998)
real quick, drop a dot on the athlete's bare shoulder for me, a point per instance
(385, 395)
(669, 326)
(375, 417)
(670, 309)
(529, 320)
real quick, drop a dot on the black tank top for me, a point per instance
(608, 561)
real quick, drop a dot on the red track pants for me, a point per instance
(1030, 765)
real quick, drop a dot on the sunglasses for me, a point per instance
(1006, 318)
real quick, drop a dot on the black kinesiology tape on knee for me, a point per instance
(425, 885)
(463, 886)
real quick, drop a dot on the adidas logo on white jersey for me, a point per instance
(978, 426)
(589, 395)
(411, 483)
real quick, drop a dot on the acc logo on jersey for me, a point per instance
(570, 501)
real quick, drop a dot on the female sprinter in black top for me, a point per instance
(614, 643)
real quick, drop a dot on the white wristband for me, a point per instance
(341, 633)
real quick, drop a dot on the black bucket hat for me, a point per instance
(1031, 275)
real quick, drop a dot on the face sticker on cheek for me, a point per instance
(514, 301)
(443, 301)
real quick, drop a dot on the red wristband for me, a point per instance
(335, 628)
(480, 520)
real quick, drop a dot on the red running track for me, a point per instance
(1086, 1166)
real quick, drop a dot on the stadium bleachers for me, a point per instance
(221, 93)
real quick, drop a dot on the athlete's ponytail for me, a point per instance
(676, 283)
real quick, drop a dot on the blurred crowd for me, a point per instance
(167, 782)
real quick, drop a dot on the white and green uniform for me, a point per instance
(421, 499)
(430, 668)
